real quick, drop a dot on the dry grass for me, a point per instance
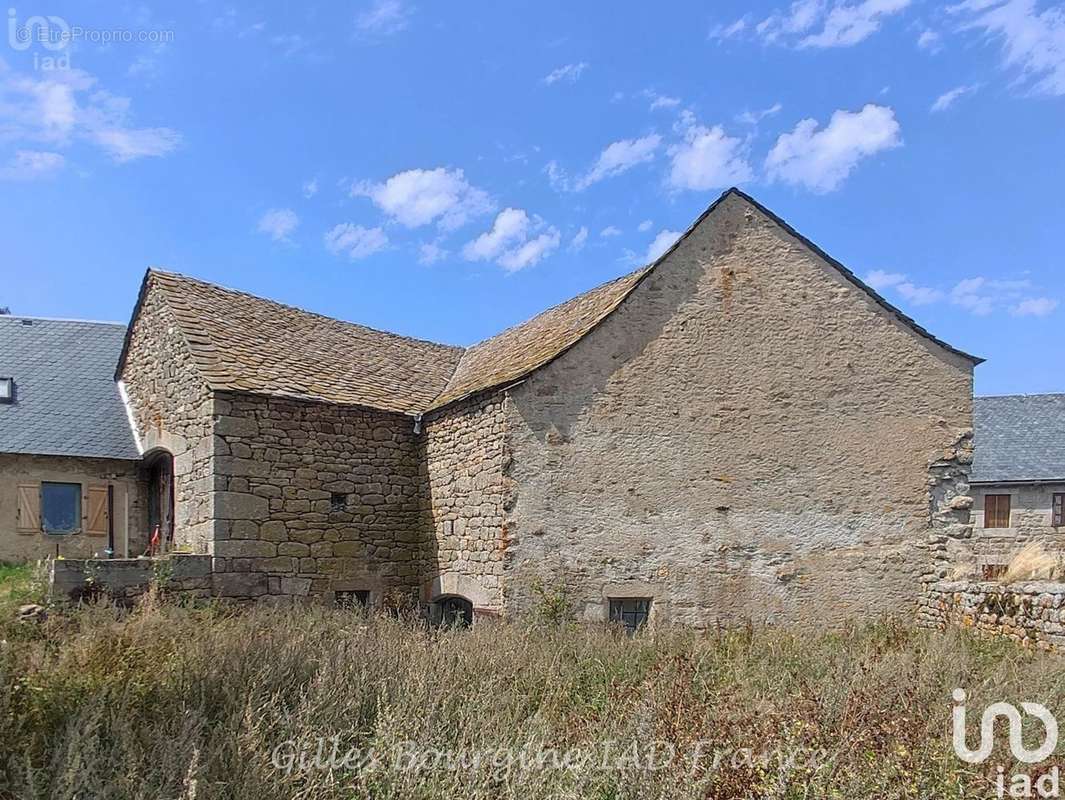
(1032, 563)
(171, 702)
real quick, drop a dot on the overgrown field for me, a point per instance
(171, 702)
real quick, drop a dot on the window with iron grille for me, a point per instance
(630, 612)
(1059, 511)
(352, 598)
(997, 511)
(338, 501)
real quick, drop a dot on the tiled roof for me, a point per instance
(240, 342)
(1019, 438)
(518, 351)
(244, 343)
(66, 401)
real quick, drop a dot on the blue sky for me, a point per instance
(445, 170)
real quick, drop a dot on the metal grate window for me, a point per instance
(1059, 511)
(352, 598)
(997, 511)
(338, 502)
(630, 612)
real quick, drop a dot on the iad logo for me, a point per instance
(51, 32)
(1020, 784)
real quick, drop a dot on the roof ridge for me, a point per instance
(1020, 396)
(278, 304)
(63, 319)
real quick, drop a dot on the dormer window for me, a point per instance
(7, 390)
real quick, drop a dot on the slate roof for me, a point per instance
(1019, 438)
(244, 343)
(66, 401)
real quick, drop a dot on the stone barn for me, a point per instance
(741, 430)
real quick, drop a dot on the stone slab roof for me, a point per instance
(1019, 438)
(66, 401)
(245, 343)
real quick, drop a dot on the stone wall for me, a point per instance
(313, 498)
(172, 411)
(469, 492)
(992, 548)
(1032, 614)
(749, 436)
(126, 579)
(18, 544)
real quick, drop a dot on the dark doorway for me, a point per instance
(161, 502)
(455, 612)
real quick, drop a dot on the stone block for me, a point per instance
(237, 505)
(244, 584)
(245, 548)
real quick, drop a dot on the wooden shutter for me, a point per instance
(97, 511)
(1059, 511)
(997, 511)
(29, 508)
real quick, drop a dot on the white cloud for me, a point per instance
(841, 25)
(723, 31)
(707, 158)
(510, 226)
(570, 73)
(1033, 41)
(383, 18)
(430, 253)
(508, 242)
(27, 165)
(310, 188)
(879, 279)
(947, 99)
(531, 252)
(662, 101)
(128, 144)
(847, 25)
(579, 240)
(620, 157)
(609, 232)
(644, 226)
(289, 43)
(1035, 307)
(64, 105)
(662, 242)
(355, 241)
(754, 117)
(981, 296)
(929, 40)
(421, 196)
(557, 176)
(822, 159)
(900, 283)
(279, 223)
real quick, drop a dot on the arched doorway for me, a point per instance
(160, 502)
(454, 611)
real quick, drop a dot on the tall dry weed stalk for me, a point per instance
(211, 703)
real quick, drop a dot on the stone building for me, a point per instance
(1018, 477)
(71, 482)
(741, 430)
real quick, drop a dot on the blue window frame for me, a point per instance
(61, 507)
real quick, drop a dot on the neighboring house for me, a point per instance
(1018, 476)
(741, 431)
(70, 477)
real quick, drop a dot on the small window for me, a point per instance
(61, 507)
(7, 390)
(631, 612)
(338, 502)
(1059, 511)
(352, 598)
(997, 511)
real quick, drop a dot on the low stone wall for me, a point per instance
(1032, 614)
(126, 579)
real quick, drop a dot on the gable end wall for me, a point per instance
(749, 436)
